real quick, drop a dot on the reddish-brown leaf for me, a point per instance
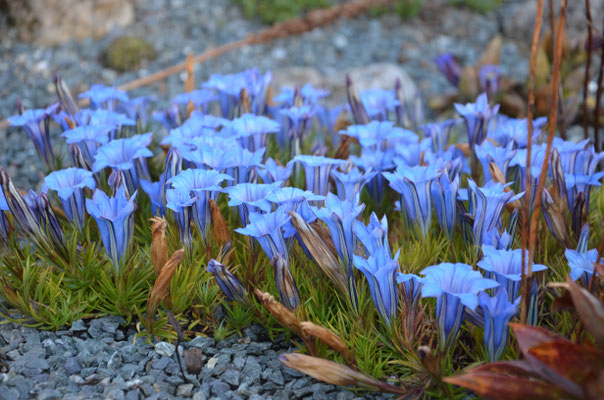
(510, 368)
(502, 387)
(590, 310)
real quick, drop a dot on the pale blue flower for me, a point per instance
(477, 117)
(115, 219)
(581, 264)
(88, 138)
(316, 172)
(181, 202)
(104, 96)
(267, 230)
(351, 182)
(253, 130)
(271, 172)
(456, 286)
(497, 311)
(69, 184)
(379, 102)
(250, 197)
(228, 283)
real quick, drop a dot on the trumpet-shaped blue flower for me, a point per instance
(291, 197)
(316, 172)
(69, 184)
(204, 185)
(88, 138)
(507, 130)
(250, 197)
(486, 205)
(298, 119)
(380, 135)
(449, 67)
(439, 134)
(412, 285)
(374, 235)
(444, 195)
(98, 117)
(380, 271)
(241, 162)
(350, 183)
(267, 229)
(137, 109)
(455, 286)
(379, 102)
(115, 219)
(36, 123)
(104, 96)
(181, 202)
(339, 216)
(477, 117)
(505, 266)
(229, 89)
(154, 191)
(123, 154)
(228, 283)
(271, 172)
(487, 152)
(378, 161)
(253, 130)
(581, 264)
(169, 117)
(201, 99)
(414, 184)
(497, 311)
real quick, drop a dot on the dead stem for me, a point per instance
(550, 138)
(587, 66)
(529, 123)
(598, 97)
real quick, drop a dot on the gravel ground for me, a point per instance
(100, 359)
(177, 27)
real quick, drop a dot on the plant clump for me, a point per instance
(128, 53)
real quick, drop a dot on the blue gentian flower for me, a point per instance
(291, 197)
(137, 109)
(181, 202)
(477, 117)
(253, 130)
(439, 134)
(497, 311)
(228, 283)
(201, 99)
(286, 285)
(339, 216)
(487, 152)
(380, 135)
(316, 172)
(378, 161)
(506, 130)
(271, 172)
(379, 102)
(410, 111)
(104, 96)
(581, 264)
(447, 65)
(123, 154)
(412, 285)
(169, 117)
(115, 219)
(351, 182)
(156, 196)
(172, 167)
(229, 89)
(69, 184)
(250, 197)
(488, 79)
(267, 230)
(36, 123)
(455, 286)
(486, 205)
(298, 119)
(204, 185)
(100, 117)
(444, 195)
(374, 235)
(414, 184)
(505, 266)
(380, 270)
(42, 209)
(241, 163)
(88, 138)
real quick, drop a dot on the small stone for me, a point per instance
(115, 394)
(133, 395)
(165, 349)
(77, 326)
(161, 363)
(184, 390)
(340, 41)
(10, 394)
(115, 361)
(345, 395)
(219, 388)
(200, 395)
(231, 377)
(49, 394)
(77, 379)
(202, 342)
(72, 366)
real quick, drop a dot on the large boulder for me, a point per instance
(49, 22)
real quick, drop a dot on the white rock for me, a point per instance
(165, 349)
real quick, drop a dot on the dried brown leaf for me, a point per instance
(492, 53)
(162, 283)
(220, 230)
(332, 340)
(159, 245)
(590, 310)
(280, 312)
